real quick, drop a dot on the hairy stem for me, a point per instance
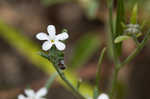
(62, 76)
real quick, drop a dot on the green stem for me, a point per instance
(127, 60)
(115, 57)
(111, 33)
(136, 40)
(110, 6)
(137, 50)
(51, 80)
(96, 90)
(68, 83)
(114, 83)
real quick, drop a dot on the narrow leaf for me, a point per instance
(43, 55)
(121, 38)
(119, 28)
(133, 19)
(98, 76)
(79, 83)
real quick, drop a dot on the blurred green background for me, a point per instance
(87, 24)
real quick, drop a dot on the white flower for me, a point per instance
(132, 28)
(52, 39)
(103, 96)
(133, 25)
(34, 95)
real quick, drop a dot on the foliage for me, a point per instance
(84, 48)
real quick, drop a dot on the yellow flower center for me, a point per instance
(52, 41)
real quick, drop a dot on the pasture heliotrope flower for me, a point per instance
(132, 28)
(103, 96)
(34, 95)
(52, 38)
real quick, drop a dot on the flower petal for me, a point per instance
(103, 96)
(21, 97)
(42, 92)
(51, 31)
(59, 45)
(29, 92)
(46, 45)
(42, 36)
(62, 36)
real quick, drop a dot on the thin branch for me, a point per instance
(62, 76)
(134, 54)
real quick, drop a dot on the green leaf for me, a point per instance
(79, 84)
(121, 38)
(119, 28)
(123, 25)
(99, 68)
(43, 55)
(143, 24)
(138, 35)
(84, 49)
(133, 19)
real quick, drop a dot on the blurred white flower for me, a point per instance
(133, 25)
(34, 95)
(52, 38)
(132, 28)
(103, 96)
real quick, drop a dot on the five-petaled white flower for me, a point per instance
(34, 95)
(52, 38)
(103, 96)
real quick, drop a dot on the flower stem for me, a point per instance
(112, 45)
(110, 6)
(137, 50)
(126, 61)
(62, 76)
(135, 39)
(51, 80)
(114, 83)
(96, 90)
